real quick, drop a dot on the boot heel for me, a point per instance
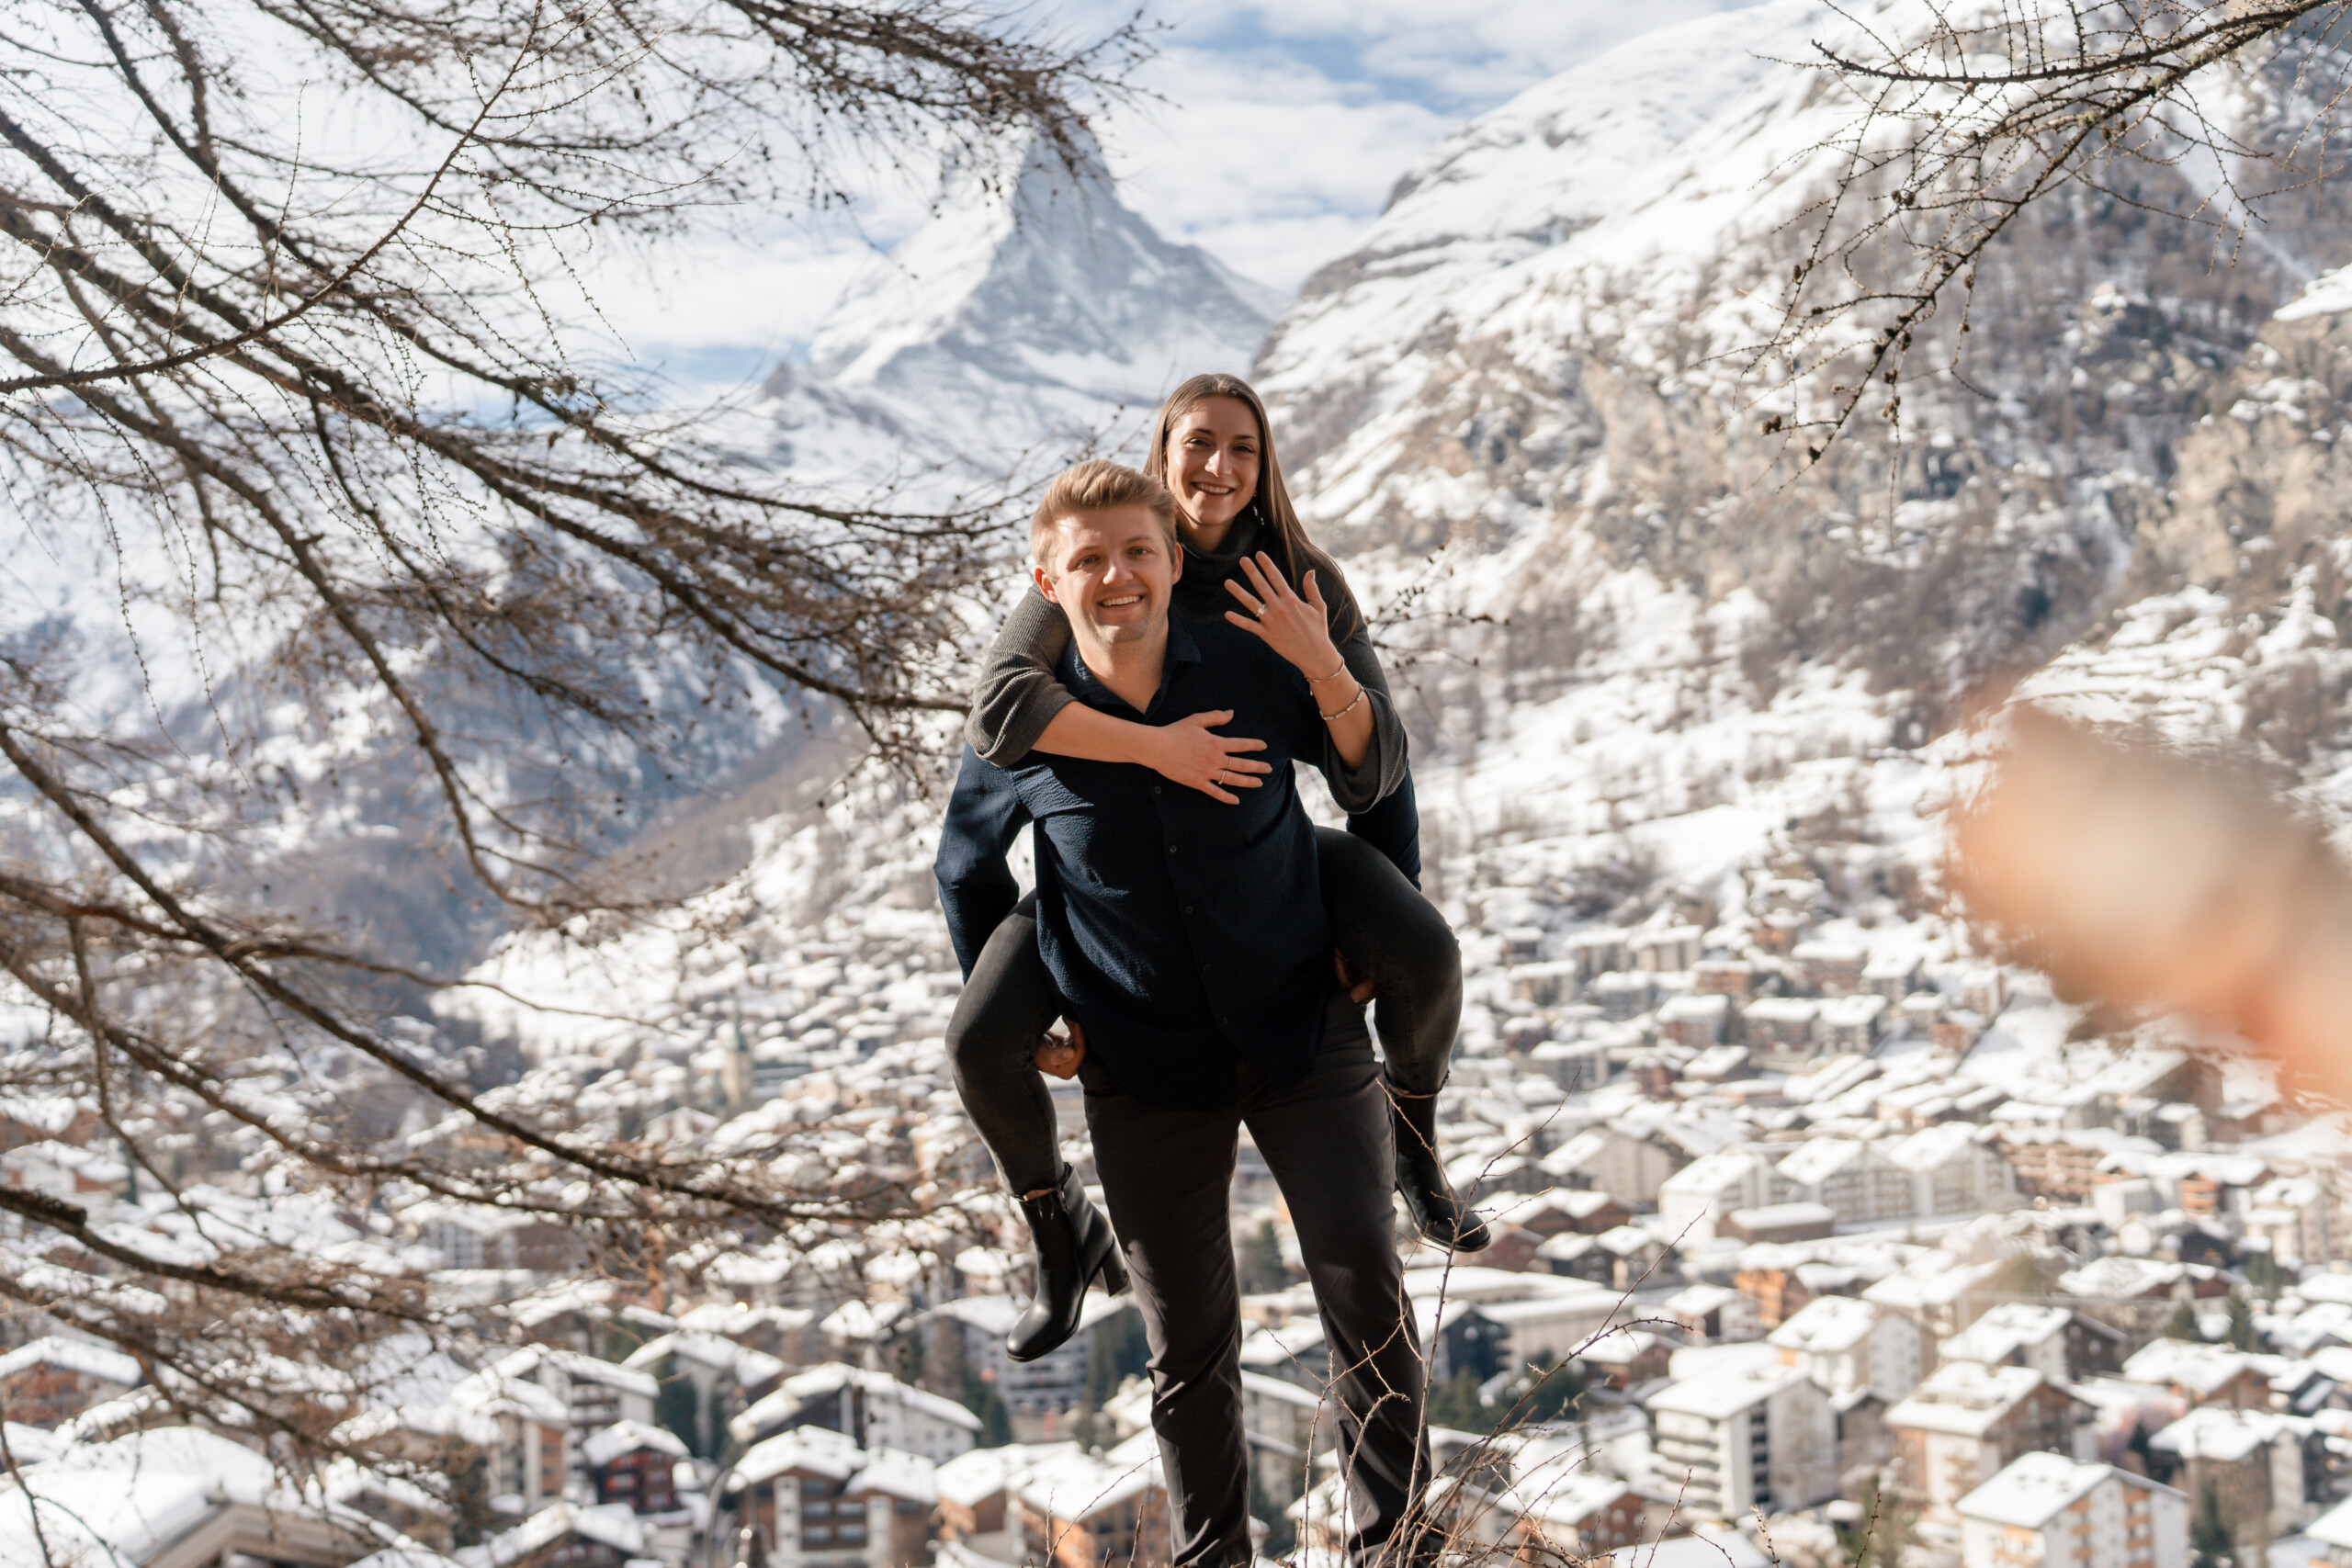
(1112, 1274)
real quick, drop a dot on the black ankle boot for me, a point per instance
(1421, 1178)
(1074, 1246)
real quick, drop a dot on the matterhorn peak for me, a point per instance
(1034, 281)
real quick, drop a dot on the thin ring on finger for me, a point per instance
(1255, 606)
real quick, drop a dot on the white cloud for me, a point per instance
(1270, 131)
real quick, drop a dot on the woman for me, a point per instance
(1246, 557)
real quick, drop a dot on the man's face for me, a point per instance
(1111, 572)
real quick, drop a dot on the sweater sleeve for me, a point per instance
(1018, 694)
(1358, 789)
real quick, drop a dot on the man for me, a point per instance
(1187, 939)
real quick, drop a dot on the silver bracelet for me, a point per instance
(1335, 717)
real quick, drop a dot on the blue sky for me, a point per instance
(1270, 131)
(1283, 126)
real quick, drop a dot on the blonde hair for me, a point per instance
(1292, 548)
(1100, 485)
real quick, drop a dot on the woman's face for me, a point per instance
(1213, 461)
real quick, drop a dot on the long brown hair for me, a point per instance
(1296, 554)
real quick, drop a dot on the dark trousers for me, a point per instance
(1168, 1176)
(1378, 918)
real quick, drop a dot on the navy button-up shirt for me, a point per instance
(1179, 930)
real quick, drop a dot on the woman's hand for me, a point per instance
(1057, 1057)
(1299, 629)
(1186, 752)
(1358, 983)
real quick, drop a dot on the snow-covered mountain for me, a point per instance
(1034, 315)
(1548, 333)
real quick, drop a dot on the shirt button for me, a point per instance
(1172, 849)
(1155, 789)
(1188, 908)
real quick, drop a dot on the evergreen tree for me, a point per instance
(2241, 1334)
(2209, 1543)
(676, 1409)
(1115, 1352)
(1454, 1403)
(1262, 1269)
(1879, 1537)
(1544, 1392)
(982, 1400)
(2183, 1324)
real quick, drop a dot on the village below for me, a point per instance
(1823, 1236)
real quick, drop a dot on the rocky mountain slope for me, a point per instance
(1548, 336)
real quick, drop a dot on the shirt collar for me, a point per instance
(1181, 650)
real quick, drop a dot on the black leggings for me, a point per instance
(1378, 918)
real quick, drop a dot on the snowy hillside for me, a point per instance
(1547, 333)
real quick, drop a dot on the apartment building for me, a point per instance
(2045, 1508)
(1746, 1432)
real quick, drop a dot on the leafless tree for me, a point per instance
(1963, 125)
(297, 366)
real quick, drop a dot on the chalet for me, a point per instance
(631, 1463)
(1778, 1224)
(2137, 1295)
(596, 1394)
(973, 1329)
(977, 1514)
(1624, 1159)
(785, 1333)
(523, 1431)
(1713, 1315)
(1077, 1511)
(1566, 1208)
(1576, 1517)
(1626, 1358)
(2199, 1375)
(563, 1535)
(1574, 1255)
(2291, 1214)
(75, 1175)
(1966, 1422)
(815, 1499)
(704, 1382)
(2062, 1346)
(2251, 1460)
(46, 1119)
(871, 1409)
(1828, 969)
(173, 1497)
(1286, 1428)
(52, 1379)
(1781, 1031)
(1694, 1202)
